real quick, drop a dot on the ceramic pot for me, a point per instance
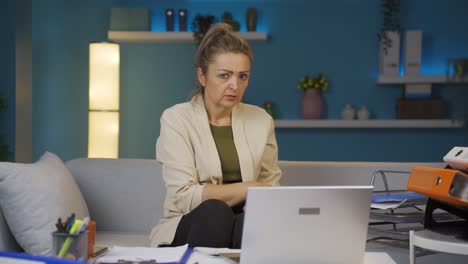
(312, 104)
(348, 112)
(363, 113)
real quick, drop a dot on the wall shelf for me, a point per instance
(427, 79)
(373, 123)
(170, 37)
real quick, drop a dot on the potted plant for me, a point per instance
(200, 26)
(391, 22)
(320, 83)
(3, 146)
(312, 103)
(389, 38)
(228, 19)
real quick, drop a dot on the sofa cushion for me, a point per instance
(33, 196)
(7, 241)
(123, 195)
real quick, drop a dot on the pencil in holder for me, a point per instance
(70, 246)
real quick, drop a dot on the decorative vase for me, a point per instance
(169, 20)
(390, 54)
(251, 19)
(363, 113)
(348, 112)
(312, 104)
(182, 20)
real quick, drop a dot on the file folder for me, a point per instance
(446, 185)
(10, 256)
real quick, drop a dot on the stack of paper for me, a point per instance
(182, 254)
(160, 255)
(215, 255)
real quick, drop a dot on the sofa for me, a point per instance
(125, 196)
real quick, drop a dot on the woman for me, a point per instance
(213, 148)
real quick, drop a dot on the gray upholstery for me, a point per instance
(125, 196)
(300, 173)
(7, 241)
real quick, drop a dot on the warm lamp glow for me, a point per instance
(103, 137)
(104, 61)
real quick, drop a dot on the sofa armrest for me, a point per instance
(123, 195)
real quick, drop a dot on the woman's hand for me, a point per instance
(255, 184)
(258, 184)
(232, 194)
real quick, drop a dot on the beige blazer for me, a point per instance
(189, 157)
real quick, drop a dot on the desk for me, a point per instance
(369, 258)
(398, 254)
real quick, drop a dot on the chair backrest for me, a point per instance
(310, 173)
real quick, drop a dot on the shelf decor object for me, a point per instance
(103, 134)
(200, 26)
(271, 108)
(390, 55)
(417, 90)
(413, 47)
(419, 108)
(363, 113)
(169, 20)
(348, 112)
(389, 38)
(251, 19)
(129, 19)
(182, 20)
(229, 19)
(312, 103)
(457, 70)
(419, 96)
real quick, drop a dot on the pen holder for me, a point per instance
(70, 246)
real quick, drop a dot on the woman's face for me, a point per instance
(226, 79)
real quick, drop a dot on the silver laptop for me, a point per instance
(307, 224)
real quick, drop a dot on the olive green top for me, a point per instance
(227, 153)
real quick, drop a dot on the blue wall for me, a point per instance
(337, 37)
(7, 71)
(62, 31)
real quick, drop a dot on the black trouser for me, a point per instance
(212, 224)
